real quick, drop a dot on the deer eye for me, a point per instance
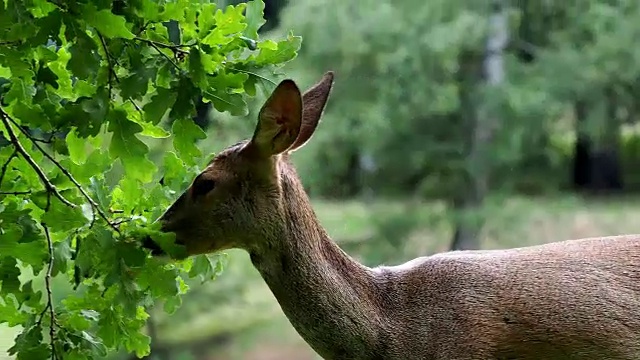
(201, 186)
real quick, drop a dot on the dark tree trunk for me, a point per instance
(272, 9)
(582, 149)
(596, 163)
(467, 232)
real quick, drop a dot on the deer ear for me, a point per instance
(279, 120)
(313, 104)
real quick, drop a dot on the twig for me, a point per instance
(112, 72)
(121, 221)
(41, 316)
(136, 106)
(3, 171)
(42, 140)
(47, 281)
(15, 192)
(172, 47)
(94, 206)
(143, 28)
(20, 149)
(153, 45)
(254, 74)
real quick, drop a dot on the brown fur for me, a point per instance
(575, 299)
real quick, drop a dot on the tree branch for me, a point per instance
(112, 72)
(20, 149)
(94, 206)
(153, 45)
(47, 281)
(172, 47)
(253, 74)
(5, 166)
(15, 192)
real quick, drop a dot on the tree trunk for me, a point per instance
(596, 163)
(582, 148)
(468, 209)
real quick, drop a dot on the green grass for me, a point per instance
(249, 308)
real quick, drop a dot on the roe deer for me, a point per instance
(577, 299)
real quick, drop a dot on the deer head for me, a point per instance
(236, 201)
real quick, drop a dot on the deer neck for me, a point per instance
(328, 297)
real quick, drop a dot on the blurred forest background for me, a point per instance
(452, 125)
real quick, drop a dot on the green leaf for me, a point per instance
(285, 50)
(127, 194)
(100, 192)
(149, 10)
(109, 328)
(88, 114)
(98, 162)
(85, 60)
(229, 80)
(138, 343)
(19, 30)
(29, 345)
(162, 101)
(61, 217)
(95, 343)
(22, 239)
(153, 131)
(97, 248)
(130, 254)
(77, 147)
(61, 256)
(165, 76)
(228, 22)
(172, 304)
(184, 105)
(186, 133)
(174, 171)
(135, 85)
(29, 297)
(10, 313)
(206, 20)
(174, 10)
(20, 90)
(128, 148)
(107, 23)
(41, 8)
(196, 69)
(223, 101)
(164, 283)
(148, 129)
(207, 267)
(254, 18)
(9, 274)
(167, 242)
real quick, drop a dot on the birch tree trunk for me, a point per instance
(469, 208)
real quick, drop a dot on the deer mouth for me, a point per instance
(149, 244)
(155, 248)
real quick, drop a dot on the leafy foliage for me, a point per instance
(416, 82)
(86, 86)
